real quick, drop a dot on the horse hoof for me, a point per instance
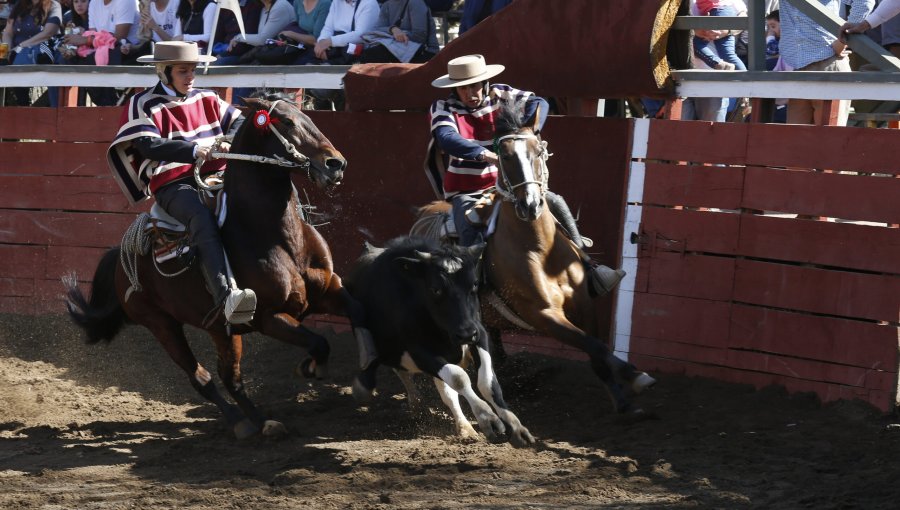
(272, 428)
(245, 428)
(361, 393)
(642, 382)
(306, 368)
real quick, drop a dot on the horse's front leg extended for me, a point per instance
(289, 330)
(612, 370)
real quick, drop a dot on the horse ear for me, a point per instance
(253, 103)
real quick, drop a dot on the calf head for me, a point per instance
(445, 281)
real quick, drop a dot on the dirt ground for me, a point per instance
(118, 426)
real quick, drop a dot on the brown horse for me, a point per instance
(536, 277)
(271, 250)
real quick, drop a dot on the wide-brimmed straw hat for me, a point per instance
(465, 70)
(175, 52)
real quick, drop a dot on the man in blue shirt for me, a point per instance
(806, 46)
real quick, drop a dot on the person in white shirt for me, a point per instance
(160, 19)
(346, 23)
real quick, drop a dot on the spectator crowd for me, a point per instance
(276, 32)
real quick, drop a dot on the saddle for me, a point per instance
(169, 238)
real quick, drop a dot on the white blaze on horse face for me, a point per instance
(532, 189)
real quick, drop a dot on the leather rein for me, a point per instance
(300, 159)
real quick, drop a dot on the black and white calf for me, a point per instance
(421, 302)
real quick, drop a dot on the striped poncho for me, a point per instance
(450, 175)
(199, 118)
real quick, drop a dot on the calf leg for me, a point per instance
(451, 399)
(413, 397)
(489, 386)
(458, 380)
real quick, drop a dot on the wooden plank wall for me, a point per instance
(770, 255)
(60, 209)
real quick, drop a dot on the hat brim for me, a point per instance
(201, 59)
(491, 70)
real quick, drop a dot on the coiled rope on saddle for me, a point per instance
(135, 243)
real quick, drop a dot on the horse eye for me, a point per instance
(437, 291)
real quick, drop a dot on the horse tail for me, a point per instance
(430, 220)
(102, 316)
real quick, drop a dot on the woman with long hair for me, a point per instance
(31, 24)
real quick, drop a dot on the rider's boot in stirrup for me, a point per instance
(239, 304)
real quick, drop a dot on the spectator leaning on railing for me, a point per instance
(806, 46)
(886, 10)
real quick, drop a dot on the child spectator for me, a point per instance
(724, 57)
(773, 35)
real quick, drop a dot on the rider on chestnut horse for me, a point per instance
(462, 167)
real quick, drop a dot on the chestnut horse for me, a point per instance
(271, 250)
(536, 277)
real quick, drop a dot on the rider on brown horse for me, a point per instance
(165, 130)
(462, 127)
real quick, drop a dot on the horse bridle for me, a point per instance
(300, 159)
(506, 190)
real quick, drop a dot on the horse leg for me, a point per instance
(170, 335)
(289, 330)
(230, 350)
(611, 369)
(489, 386)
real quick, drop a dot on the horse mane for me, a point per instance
(509, 117)
(272, 96)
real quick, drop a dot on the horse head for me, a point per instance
(523, 172)
(295, 139)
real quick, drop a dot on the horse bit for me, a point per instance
(507, 189)
(301, 161)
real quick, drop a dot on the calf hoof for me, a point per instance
(245, 429)
(521, 438)
(642, 382)
(272, 428)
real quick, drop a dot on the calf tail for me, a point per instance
(102, 316)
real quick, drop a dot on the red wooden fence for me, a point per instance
(780, 264)
(720, 285)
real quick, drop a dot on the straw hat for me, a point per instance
(175, 52)
(465, 70)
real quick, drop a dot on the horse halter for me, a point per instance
(302, 160)
(504, 188)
